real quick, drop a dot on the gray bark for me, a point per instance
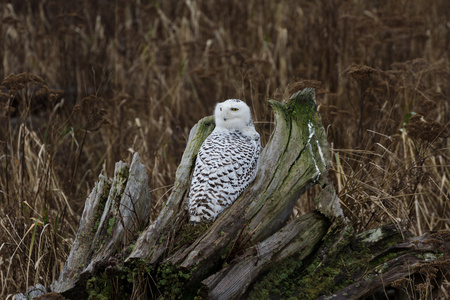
(292, 161)
(251, 248)
(114, 212)
(298, 238)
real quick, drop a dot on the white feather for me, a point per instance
(226, 163)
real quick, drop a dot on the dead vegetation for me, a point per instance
(111, 79)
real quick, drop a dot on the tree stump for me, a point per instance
(251, 250)
(113, 214)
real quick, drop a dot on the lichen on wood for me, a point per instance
(285, 173)
(114, 212)
(155, 240)
(252, 249)
(297, 239)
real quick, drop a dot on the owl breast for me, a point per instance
(226, 164)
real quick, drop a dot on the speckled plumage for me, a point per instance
(226, 163)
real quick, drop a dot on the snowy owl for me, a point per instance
(226, 163)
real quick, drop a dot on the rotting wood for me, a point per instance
(298, 238)
(153, 242)
(251, 250)
(290, 163)
(114, 212)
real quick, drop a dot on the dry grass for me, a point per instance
(131, 76)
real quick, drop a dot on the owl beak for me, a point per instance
(225, 116)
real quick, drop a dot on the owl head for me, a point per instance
(233, 114)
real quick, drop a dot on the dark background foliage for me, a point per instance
(87, 83)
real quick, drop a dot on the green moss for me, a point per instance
(172, 282)
(277, 281)
(378, 263)
(188, 234)
(126, 281)
(138, 277)
(101, 205)
(291, 278)
(122, 175)
(99, 288)
(302, 107)
(111, 223)
(348, 259)
(320, 280)
(226, 252)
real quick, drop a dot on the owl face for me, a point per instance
(232, 114)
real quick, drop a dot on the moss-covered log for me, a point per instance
(383, 263)
(292, 161)
(251, 250)
(297, 239)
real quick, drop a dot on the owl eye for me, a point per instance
(234, 109)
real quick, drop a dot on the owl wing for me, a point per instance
(224, 168)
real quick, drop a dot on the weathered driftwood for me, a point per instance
(154, 241)
(426, 257)
(291, 162)
(114, 212)
(298, 238)
(384, 262)
(32, 292)
(251, 250)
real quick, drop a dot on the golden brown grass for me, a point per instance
(114, 78)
